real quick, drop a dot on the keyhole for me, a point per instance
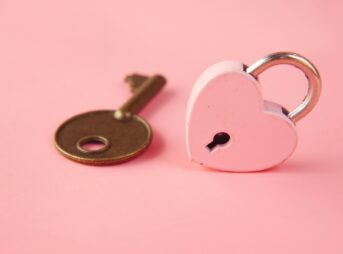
(220, 138)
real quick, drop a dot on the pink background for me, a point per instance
(60, 58)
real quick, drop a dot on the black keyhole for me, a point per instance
(220, 138)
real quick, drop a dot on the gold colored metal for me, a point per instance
(123, 138)
(141, 96)
(300, 62)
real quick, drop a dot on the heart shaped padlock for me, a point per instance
(229, 125)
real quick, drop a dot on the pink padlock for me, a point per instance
(229, 125)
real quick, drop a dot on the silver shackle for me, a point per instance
(300, 62)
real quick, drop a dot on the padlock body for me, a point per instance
(226, 99)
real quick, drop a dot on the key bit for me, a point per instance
(135, 81)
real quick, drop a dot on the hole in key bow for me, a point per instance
(92, 144)
(221, 138)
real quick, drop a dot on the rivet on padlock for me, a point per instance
(229, 125)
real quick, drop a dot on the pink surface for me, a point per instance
(60, 58)
(227, 99)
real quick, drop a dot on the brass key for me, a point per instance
(108, 137)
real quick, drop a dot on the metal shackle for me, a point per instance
(300, 62)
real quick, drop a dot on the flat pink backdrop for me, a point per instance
(60, 58)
